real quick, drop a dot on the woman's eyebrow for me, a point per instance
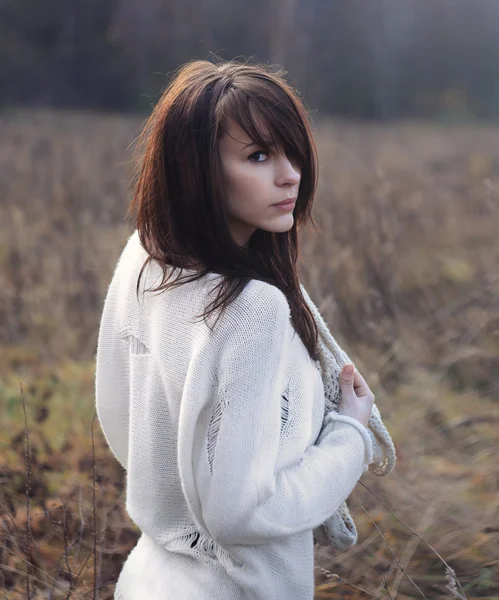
(268, 143)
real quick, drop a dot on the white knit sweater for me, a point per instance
(218, 433)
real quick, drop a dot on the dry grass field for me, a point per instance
(406, 273)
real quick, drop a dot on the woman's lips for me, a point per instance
(288, 205)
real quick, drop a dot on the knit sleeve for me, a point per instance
(243, 498)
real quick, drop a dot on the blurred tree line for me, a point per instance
(364, 58)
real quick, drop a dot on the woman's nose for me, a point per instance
(288, 172)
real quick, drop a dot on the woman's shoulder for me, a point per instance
(260, 312)
(254, 328)
(260, 300)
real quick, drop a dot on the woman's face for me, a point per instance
(256, 180)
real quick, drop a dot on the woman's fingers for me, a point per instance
(360, 386)
(357, 399)
(357, 382)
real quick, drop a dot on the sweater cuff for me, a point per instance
(369, 450)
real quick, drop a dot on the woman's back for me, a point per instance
(216, 433)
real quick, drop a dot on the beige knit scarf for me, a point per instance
(339, 530)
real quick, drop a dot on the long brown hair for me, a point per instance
(180, 198)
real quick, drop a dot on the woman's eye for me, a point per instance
(251, 157)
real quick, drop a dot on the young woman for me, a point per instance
(217, 422)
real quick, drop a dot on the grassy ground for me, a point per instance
(406, 275)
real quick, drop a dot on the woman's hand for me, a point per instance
(356, 397)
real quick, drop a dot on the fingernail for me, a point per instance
(348, 369)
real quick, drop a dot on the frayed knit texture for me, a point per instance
(339, 530)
